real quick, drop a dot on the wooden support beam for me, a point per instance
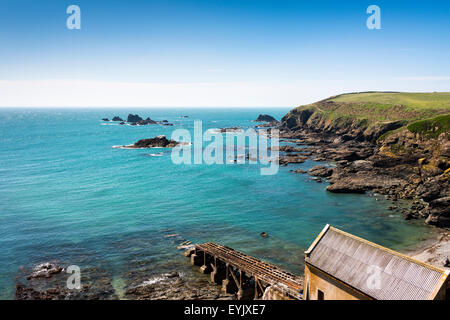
(260, 285)
(226, 271)
(256, 289)
(236, 280)
(240, 278)
(216, 256)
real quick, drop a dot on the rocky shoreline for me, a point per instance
(402, 165)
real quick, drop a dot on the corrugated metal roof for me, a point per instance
(374, 270)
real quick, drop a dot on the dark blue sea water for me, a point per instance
(67, 195)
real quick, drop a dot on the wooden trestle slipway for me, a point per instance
(244, 275)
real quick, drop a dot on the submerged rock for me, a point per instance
(232, 129)
(175, 286)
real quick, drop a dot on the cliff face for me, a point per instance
(352, 127)
(409, 154)
(429, 159)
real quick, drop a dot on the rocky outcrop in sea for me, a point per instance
(136, 120)
(265, 118)
(156, 142)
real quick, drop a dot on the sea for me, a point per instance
(67, 195)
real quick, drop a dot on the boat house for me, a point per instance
(341, 266)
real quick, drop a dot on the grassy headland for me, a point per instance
(376, 114)
(393, 143)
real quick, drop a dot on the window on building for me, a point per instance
(320, 295)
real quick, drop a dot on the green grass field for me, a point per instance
(416, 101)
(424, 113)
(431, 127)
(384, 106)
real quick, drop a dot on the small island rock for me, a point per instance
(265, 118)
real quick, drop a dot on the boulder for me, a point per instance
(285, 160)
(116, 118)
(362, 165)
(320, 171)
(439, 212)
(345, 188)
(363, 181)
(45, 270)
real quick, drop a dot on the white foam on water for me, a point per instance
(126, 147)
(153, 280)
(157, 279)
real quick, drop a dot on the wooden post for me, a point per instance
(256, 289)
(226, 272)
(205, 268)
(240, 278)
(195, 259)
(238, 284)
(236, 280)
(260, 285)
(226, 285)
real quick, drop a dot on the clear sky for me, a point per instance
(217, 52)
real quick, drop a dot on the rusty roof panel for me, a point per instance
(375, 271)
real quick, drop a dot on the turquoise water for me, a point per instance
(67, 195)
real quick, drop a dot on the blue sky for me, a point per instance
(217, 53)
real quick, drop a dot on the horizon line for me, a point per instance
(140, 107)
